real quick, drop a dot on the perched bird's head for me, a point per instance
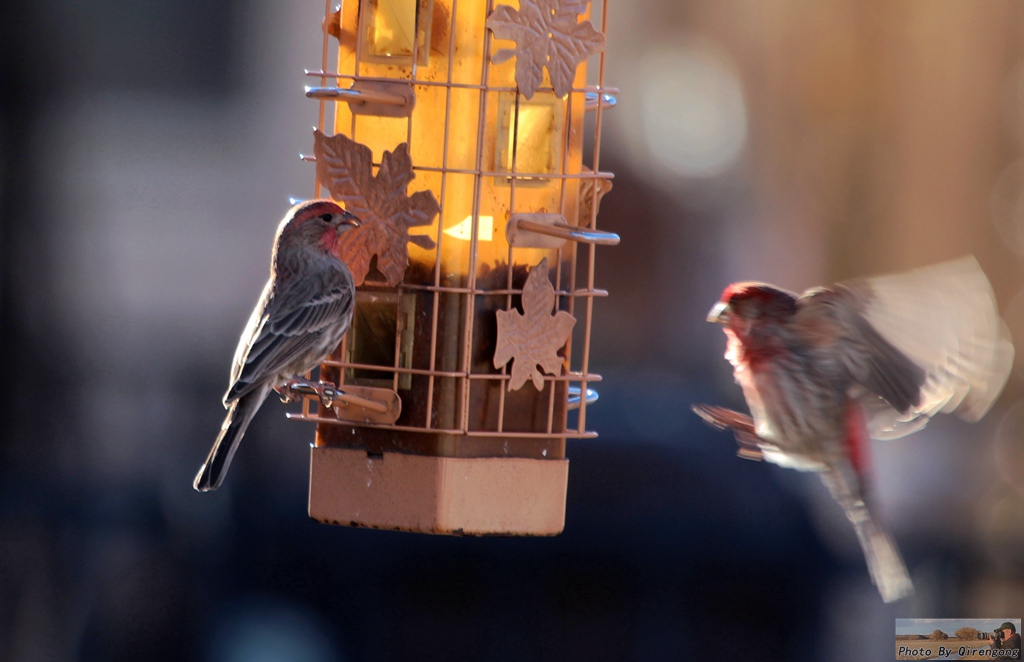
(745, 304)
(316, 223)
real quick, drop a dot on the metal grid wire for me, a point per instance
(566, 269)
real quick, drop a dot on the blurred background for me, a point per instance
(147, 151)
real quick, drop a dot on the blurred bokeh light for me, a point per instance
(693, 121)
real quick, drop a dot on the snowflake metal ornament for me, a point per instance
(548, 33)
(345, 167)
(534, 336)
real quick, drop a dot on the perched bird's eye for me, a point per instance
(326, 218)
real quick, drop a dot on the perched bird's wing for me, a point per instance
(943, 320)
(285, 325)
(253, 330)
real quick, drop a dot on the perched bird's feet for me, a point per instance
(295, 388)
(326, 392)
(290, 391)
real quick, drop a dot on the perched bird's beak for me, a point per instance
(348, 221)
(719, 314)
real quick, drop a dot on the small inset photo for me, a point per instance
(958, 639)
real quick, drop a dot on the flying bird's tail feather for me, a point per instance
(884, 561)
(888, 572)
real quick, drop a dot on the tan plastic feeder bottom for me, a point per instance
(453, 495)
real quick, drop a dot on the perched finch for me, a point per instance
(304, 311)
(824, 371)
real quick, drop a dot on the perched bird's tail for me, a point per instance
(241, 411)
(885, 564)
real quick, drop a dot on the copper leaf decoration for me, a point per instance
(346, 168)
(534, 336)
(548, 33)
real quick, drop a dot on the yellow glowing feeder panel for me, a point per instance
(390, 31)
(531, 135)
(450, 140)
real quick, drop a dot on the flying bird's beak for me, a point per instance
(719, 314)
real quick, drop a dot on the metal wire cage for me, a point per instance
(432, 432)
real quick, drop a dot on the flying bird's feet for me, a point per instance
(741, 425)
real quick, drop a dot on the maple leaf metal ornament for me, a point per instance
(548, 33)
(346, 168)
(534, 336)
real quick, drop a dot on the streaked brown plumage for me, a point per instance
(878, 357)
(305, 309)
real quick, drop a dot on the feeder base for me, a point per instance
(451, 495)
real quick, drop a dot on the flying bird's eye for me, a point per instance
(326, 218)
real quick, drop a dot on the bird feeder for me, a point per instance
(455, 131)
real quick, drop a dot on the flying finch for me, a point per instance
(824, 371)
(304, 311)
